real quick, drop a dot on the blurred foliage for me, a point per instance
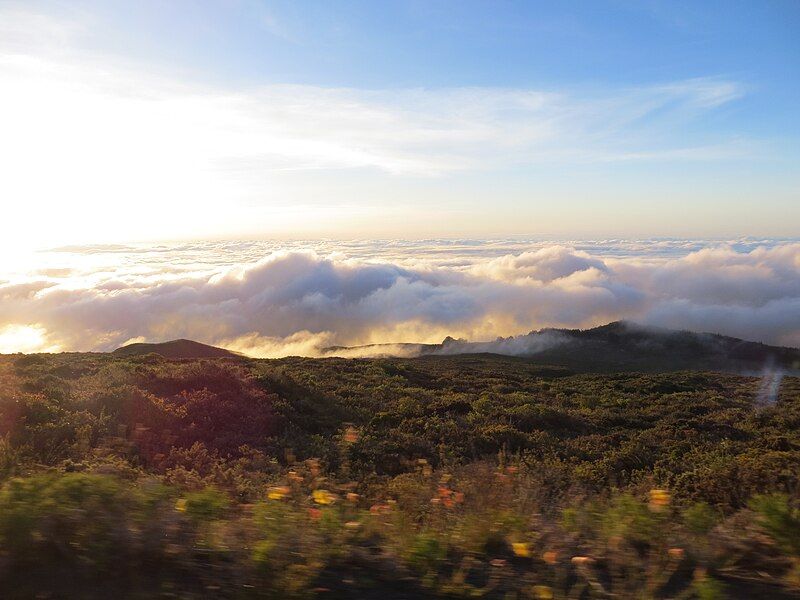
(472, 476)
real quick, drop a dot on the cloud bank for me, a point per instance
(298, 300)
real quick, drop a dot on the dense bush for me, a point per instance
(437, 477)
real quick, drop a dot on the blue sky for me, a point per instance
(435, 43)
(468, 43)
(404, 119)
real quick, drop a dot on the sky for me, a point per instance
(278, 177)
(141, 121)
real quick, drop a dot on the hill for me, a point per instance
(175, 349)
(618, 346)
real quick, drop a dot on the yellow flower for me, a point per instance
(521, 549)
(278, 493)
(675, 553)
(351, 435)
(659, 499)
(323, 497)
(543, 592)
(180, 505)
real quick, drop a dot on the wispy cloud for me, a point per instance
(147, 120)
(81, 128)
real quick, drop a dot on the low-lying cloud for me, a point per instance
(297, 301)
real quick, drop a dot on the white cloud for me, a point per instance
(296, 301)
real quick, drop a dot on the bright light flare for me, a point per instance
(26, 339)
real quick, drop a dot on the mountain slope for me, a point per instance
(614, 347)
(634, 346)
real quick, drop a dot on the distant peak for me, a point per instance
(613, 326)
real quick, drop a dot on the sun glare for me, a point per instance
(25, 338)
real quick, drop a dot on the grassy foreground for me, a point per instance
(439, 477)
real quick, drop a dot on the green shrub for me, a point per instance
(779, 519)
(629, 519)
(205, 505)
(700, 518)
(75, 518)
(426, 553)
(708, 588)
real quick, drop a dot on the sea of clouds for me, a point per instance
(274, 299)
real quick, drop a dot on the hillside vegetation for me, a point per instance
(617, 346)
(440, 476)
